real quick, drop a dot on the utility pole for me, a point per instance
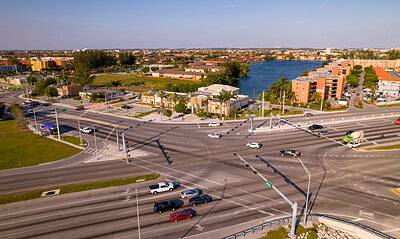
(105, 99)
(125, 147)
(263, 103)
(137, 212)
(269, 184)
(270, 120)
(80, 133)
(283, 103)
(117, 134)
(58, 126)
(34, 117)
(251, 124)
(308, 187)
(95, 142)
(322, 104)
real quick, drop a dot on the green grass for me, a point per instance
(144, 83)
(390, 105)
(143, 114)
(279, 233)
(20, 148)
(388, 147)
(73, 140)
(16, 197)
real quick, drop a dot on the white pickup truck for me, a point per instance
(161, 187)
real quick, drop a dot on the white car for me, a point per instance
(254, 145)
(353, 144)
(214, 136)
(87, 130)
(214, 124)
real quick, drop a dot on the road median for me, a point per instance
(72, 188)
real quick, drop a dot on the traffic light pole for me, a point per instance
(124, 145)
(58, 125)
(293, 205)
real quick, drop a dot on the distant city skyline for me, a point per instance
(123, 24)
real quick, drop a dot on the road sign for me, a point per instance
(269, 184)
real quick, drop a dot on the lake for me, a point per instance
(263, 74)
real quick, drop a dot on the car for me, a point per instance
(45, 104)
(29, 112)
(254, 145)
(353, 144)
(182, 215)
(290, 152)
(87, 130)
(307, 114)
(79, 107)
(191, 193)
(200, 200)
(170, 205)
(315, 127)
(126, 107)
(397, 121)
(214, 136)
(214, 124)
(323, 132)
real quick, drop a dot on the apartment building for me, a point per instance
(178, 74)
(39, 65)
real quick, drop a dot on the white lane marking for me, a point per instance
(374, 142)
(357, 219)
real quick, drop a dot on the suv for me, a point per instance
(353, 144)
(254, 145)
(214, 136)
(214, 124)
(290, 152)
(164, 206)
(315, 127)
(200, 200)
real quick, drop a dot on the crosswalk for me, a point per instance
(90, 150)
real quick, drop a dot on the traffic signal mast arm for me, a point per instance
(269, 183)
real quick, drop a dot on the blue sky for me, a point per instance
(56, 24)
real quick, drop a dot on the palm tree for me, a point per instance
(223, 97)
(162, 95)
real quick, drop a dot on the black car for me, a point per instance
(290, 152)
(200, 199)
(315, 127)
(169, 205)
(126, 107)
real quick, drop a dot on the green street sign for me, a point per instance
(269, 184)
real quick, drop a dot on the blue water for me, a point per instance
(263, 74)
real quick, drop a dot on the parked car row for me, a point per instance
(194, 196)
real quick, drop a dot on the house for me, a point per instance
(178, 74)
(17, 80)
(69, 90)
(388, 82)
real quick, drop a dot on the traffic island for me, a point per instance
(384, 147)
(72, 188)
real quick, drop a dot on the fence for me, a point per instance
(311, 218)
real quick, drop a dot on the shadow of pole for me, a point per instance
(208, 212)
(165, 154)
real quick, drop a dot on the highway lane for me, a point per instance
(200, 161)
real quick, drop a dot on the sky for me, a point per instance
(110, 24)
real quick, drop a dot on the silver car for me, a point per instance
(191, 193)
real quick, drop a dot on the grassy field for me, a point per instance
(73, 140)
(388, 147)
(142, 83)
(16, 197)
(143, 114)
(389, 105)
(19, 148)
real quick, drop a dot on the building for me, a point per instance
(164, 99)
(102, 94)
(13, 80)
(39, 65)
(8, 68)
(69, 90)
(216, 89)
(209, 104)
(201, 68)
(327, 85)
(388, 82)
(178, 74)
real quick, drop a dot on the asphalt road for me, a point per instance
(345, 182)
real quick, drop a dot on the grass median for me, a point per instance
(387, 147)
(21, 148)
(72, 188)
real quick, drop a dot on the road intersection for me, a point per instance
(352, 184)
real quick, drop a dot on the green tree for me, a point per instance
(18, 114)
(127, 58)
(216, 78)
(279, 90)
(223, 97)
(232, 69)
(167, 113)
(51, 92)
(181, 107)
(2, 109)
(316, 97)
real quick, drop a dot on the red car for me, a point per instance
(397, 121)
(182, 215)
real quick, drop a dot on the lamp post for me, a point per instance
(308, 186)
(269, 184)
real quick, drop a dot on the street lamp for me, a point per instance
(308, 186)
(269, 184)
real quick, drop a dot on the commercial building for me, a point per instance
(13, 80)
(69, 90)
(8, 68)
(178, 74)
(389, 82)
(39, 65)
